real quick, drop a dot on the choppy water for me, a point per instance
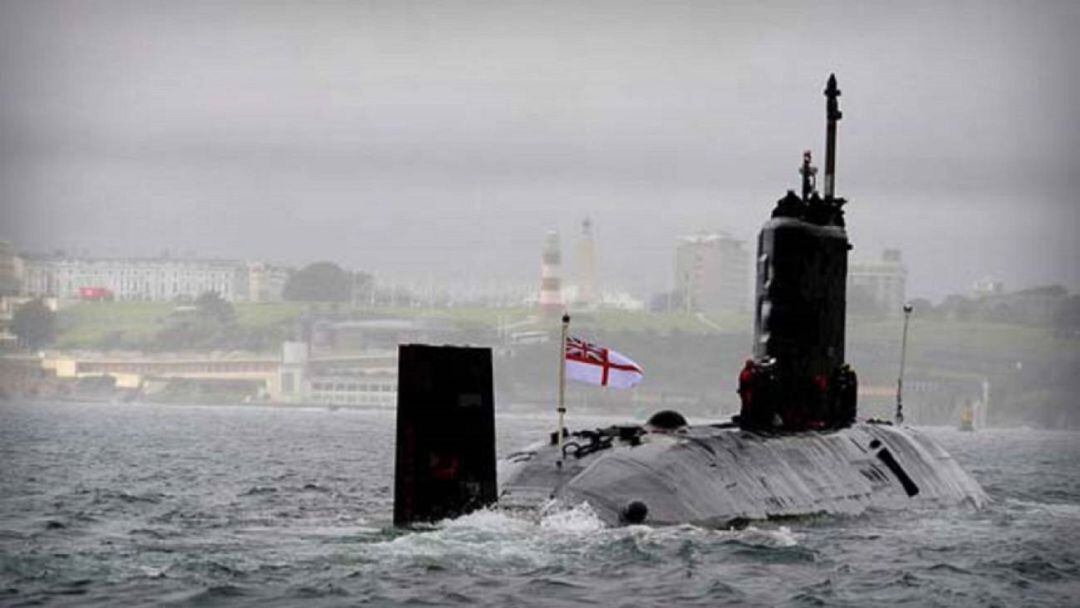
(129, 504)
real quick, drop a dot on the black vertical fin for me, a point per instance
(445, 463)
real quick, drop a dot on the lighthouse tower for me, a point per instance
(586, 292)
(551, 300)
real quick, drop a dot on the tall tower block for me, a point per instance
(551, 300)
(586, 292)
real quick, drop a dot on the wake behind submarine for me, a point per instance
(794, 449)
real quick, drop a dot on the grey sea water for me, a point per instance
(133, 504)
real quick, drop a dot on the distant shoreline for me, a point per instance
(516, 410)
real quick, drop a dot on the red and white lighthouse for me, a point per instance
(551, 299)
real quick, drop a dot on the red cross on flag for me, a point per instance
(600, 366)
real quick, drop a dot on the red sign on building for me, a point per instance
(95, 294)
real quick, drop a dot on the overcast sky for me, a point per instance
(444, 139)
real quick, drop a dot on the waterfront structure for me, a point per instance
(147, 279)
(882, 283)
(712, 273)
(366, 379)
(131, 371)
(351, 363)
(371, 388)
(551, 297)
(294, 360)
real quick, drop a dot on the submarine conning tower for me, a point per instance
(797, 379)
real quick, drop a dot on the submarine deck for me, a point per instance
(716, 474)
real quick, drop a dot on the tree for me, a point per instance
(34, 324)
(212, 306)
(1067, 316)
(319, 282)
(958, 307)
(923, 307)
(211, 325)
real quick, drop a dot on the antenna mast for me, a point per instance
(832, 115)
(900, 378)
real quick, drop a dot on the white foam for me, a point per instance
(773, 537)
(493, 539)
(493, 521)
(1055, 509)
(485, 536)
(152, 572)
(578, 519)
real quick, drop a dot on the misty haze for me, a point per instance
(220, 221)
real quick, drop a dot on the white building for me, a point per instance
(883, 282)
(358, 380)
(987, 286)
(712, 273)
(150, 279)
(266, 283)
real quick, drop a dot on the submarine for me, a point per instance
(795, 448)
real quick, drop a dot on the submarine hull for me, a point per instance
(714, 476)
(793, 450)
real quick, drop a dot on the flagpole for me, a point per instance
(900, 378)
(562, 387)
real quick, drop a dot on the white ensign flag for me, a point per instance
(600, 366)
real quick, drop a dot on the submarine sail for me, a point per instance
(795, 448)
(798, 379)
